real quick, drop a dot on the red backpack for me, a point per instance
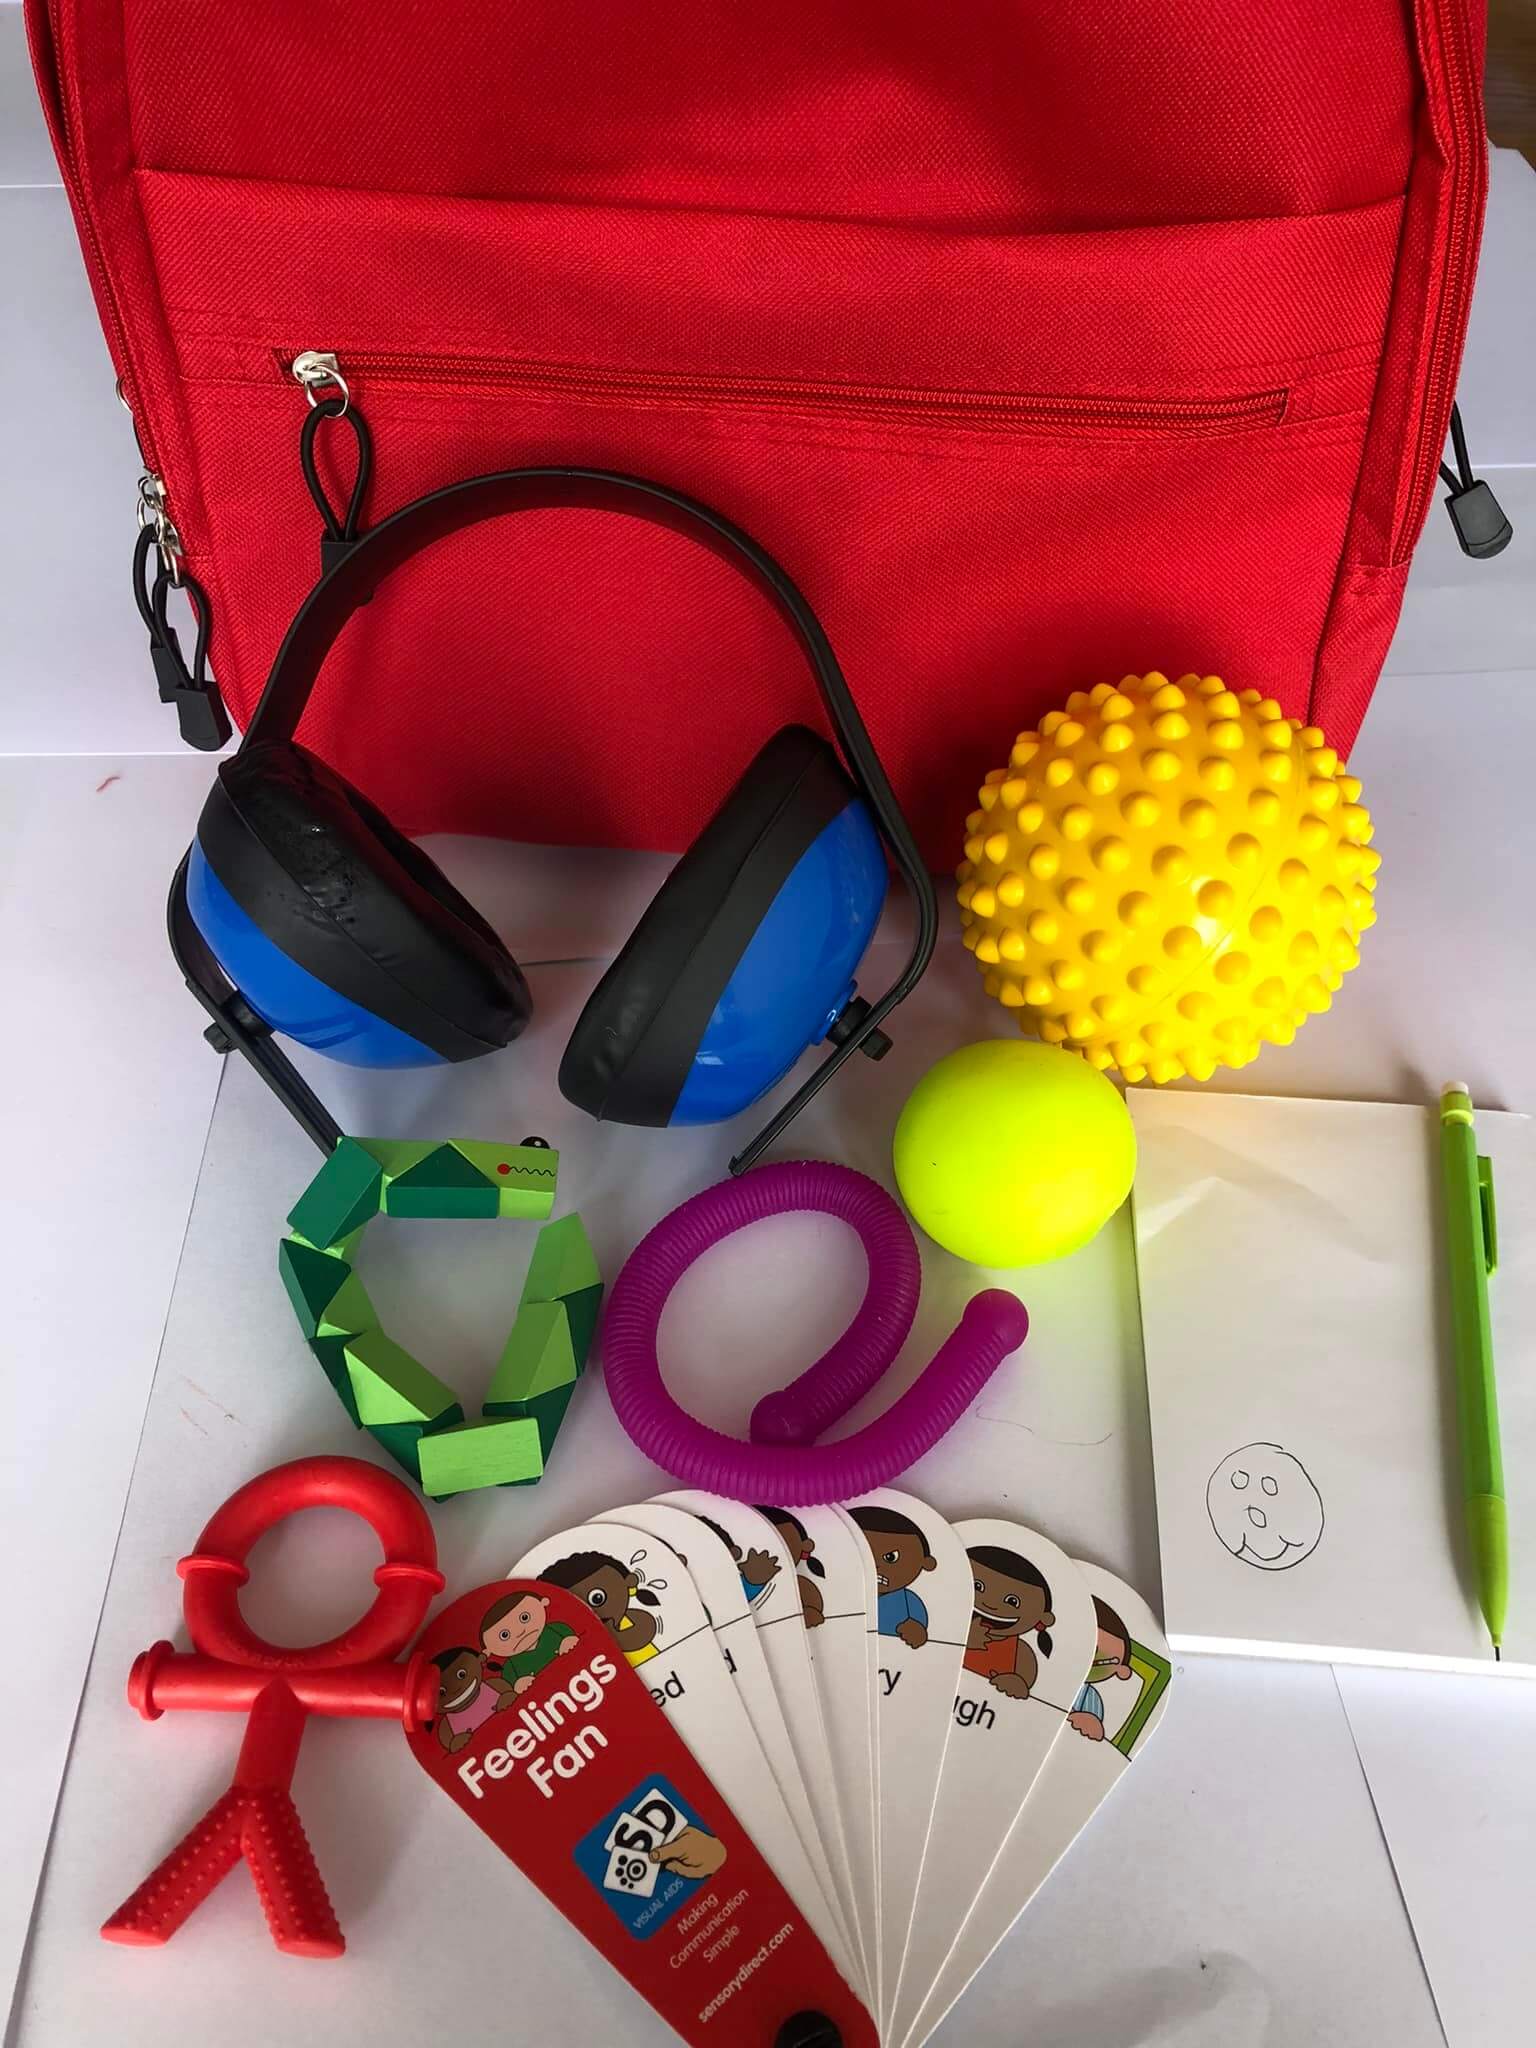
(1040, 343)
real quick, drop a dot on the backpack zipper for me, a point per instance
(1466, 156)
(315, 368)
(318, 371)
(154, 512)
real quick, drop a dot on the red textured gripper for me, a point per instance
(178, 1885)
(288, 1880)
(263, 1828)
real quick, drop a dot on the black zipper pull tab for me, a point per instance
(1481, 527)
(200, 711)
(330, 398)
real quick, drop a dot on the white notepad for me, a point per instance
(1301, 1383)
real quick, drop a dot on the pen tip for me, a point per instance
(1498, 1654)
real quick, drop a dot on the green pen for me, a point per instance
(1472, 1247)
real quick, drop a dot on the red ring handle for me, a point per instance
(408, 1580)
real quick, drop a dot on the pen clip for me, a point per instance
(1489, 1213)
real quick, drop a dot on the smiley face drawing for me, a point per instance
(1264, 1508)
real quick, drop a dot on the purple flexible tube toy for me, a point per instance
(782, 1462)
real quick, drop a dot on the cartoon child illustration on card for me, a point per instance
(616, 1595)
(1111, 1662)
(1012, 1603)
(757, 1569)
(1118, 1660)
(901, 1557)
(519, 1638)
(808, 1568)
(467, 1695)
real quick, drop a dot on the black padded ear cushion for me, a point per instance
(325, 875)
(634, 1043)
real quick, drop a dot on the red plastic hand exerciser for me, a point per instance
(231, 1670)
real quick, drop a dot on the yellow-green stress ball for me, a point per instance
(1167, 876)
(1009, 1153)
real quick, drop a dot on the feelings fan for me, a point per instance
(911, 1721)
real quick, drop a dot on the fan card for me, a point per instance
(771, 1588)
(1113, 1715)
(718, 1583)
(835, 1573)
(582, 1781)
(921, 1613)
(1028, 1647)
(640, 1592)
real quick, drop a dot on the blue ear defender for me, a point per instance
(301, 911)
(747, 953)
(284, 995)
(337, 930)
(794, 982)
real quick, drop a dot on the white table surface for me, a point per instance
(1241, 1893)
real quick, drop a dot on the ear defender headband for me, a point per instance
(299, 909)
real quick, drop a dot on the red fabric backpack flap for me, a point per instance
(1019, 415)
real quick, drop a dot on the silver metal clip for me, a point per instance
(318, 371)
(154, 512)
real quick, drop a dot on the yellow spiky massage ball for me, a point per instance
(1167, 876)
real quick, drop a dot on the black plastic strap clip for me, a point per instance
(200, 711)
(874, 1044)
(339, 531)
(1482, 530)
(334, 549)
(1481, 526)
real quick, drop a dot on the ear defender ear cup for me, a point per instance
(338, 931)
(747, 953)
